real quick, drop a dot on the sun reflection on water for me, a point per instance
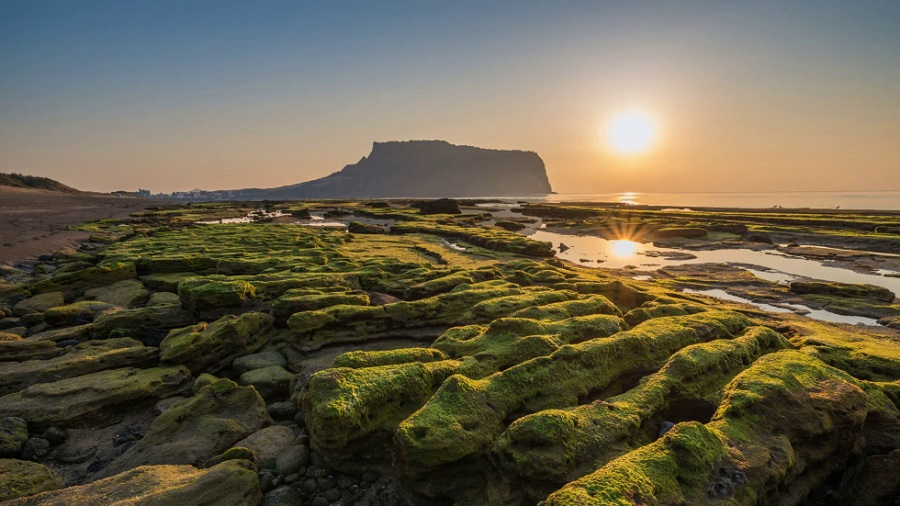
(623, 247)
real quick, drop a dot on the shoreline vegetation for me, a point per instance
(406, 352)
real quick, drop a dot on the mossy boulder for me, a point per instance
(199, 294)
(85, 358)
(358, 359)
(127, 293)
(141, 321)
(356, 227)
(13, 434)
(293, 302)
(39, 303)
(214, 346)
(20, 478)
(163, 298)
(194, 430)
(232, 483)
(92, 398)
(77, 313)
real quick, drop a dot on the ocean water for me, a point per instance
(881, 200)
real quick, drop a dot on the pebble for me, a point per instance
(283, 496)
(319, 501)
(292, 478)
(55, 436)
(281, 410)
(291, 460)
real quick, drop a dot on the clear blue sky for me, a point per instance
(172, 95)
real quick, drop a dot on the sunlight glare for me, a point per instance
(623, 247)
(631, 133)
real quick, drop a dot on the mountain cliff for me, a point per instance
(424, 169)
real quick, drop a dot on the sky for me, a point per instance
(175, 95)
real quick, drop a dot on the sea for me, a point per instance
(859, 200)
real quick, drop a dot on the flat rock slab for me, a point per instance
(233, 482)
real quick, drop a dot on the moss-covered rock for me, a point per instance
(342, 404)
(39, 303)
(843, 290)
(233, 483)
(192, 431)
(202, 294)
(140, 321)
(20, 478)
(784, 426)
(76, 313)
(465, 416)
(266, 444)
(106, 273)
(258, 361)
(127, 293)
(214, 346)
(358, 359)
(13, 434)
(92, 398)
(28, 349)
(84, 358)
(293, 302)
(163, 298)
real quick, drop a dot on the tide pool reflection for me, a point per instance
(623, 247)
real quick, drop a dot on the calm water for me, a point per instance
(884, 200)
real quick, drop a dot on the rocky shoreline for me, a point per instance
(433, 361)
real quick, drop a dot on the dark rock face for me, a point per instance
(425, 169)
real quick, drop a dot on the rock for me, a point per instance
(163, 298)
(258, 361)
(200, 294)
(140, 322)
(205, 379)
(873, 292)
(355, 227)
(664, 426)
(92, 398)
(78, 333)
(302, 214)
(685, 232)
(512, 226)
(10, 323)
(167, 403)
(55, 436)
(758, 237)
(283, 496)
(35, 449)
(27, 349)
(77, 313)
(439, 206)
(74, 454)
(213, 347)
(380, 299)
(19, 478)
(30, 320)
(194, 430)
(127, 293)
(84, 358)
(39, 303)
(284, 410)
(233, 453)
(271, 382)
(267, 444)
(291, 460)
(75, 282)
(230, 483)
(13, 434)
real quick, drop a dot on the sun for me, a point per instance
(631, 133)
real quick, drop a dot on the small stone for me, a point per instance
(291, 460)
(292, 478)
(317, 460)
(55, 436)
(369, 477)
(325, 483)
(319, 501)
(281, 410)
(310, 485)
(283, 496)
(166, 403)
(262, 360)
(65, 343)
(35, 449)
(265, 481)
(332, 495)
(276, 482)
(74, 454)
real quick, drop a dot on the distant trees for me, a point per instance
(41, 183)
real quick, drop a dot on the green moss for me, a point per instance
(19, 478)
(358, 359)
(213, 347)
(431, 436)
(343, 403)
(71, 314)
(653, 309)
(207, 293)
(596, 304)
(295, 301)
(105, 273)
